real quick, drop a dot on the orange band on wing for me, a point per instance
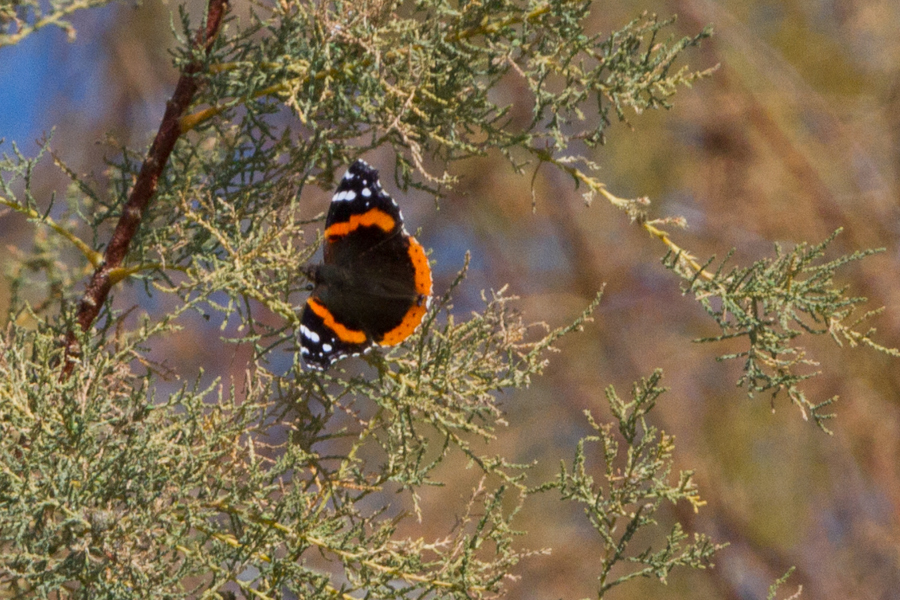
(350, 336)
(414, 315)
(421, 266)
(370, 218)
(406, 327)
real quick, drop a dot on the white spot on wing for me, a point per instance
(344, 196)
(310, 334)
(326, 347)
(366, 192)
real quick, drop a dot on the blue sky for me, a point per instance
(45, 76)
(26, 89)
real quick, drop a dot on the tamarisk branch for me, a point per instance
(145, 186)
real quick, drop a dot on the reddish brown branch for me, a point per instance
(145, 185)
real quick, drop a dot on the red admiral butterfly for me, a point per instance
(375, 283)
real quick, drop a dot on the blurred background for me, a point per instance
(795, 135)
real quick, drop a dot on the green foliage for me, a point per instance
(771, 305)
(357, 75)
(108, 491)
(635, 482)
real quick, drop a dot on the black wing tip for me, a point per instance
(362, 168)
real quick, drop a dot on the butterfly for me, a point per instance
(374, 285)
